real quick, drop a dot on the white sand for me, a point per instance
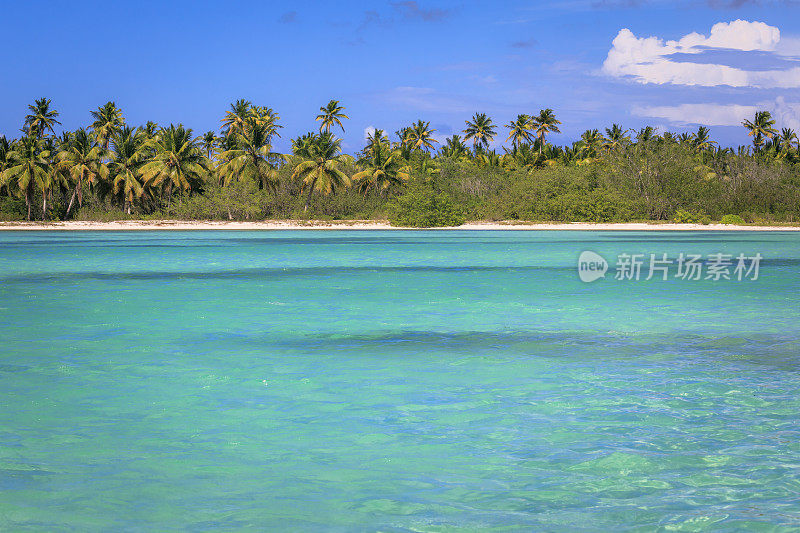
(367, 225)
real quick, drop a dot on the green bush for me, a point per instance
(584, 206)
(12, 209)
(683, 216)
(732, 219)
(421, 207)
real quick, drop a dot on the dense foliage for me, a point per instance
(114, 171)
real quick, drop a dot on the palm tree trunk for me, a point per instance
(28, 202)
(44, 205)
(308, 198)
(71, 200)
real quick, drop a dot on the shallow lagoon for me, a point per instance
(414, 380)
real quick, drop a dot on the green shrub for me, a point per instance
(683, 216)
(584, 206)
(12, 209)
(732, 219)
(421, 207)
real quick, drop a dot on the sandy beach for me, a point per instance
(183, 225)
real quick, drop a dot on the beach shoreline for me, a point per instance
(188, 225)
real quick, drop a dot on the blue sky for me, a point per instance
(390, 63)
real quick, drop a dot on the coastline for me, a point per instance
(183, 225)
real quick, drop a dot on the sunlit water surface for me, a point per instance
(399, 381)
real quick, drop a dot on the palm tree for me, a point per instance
(404, 145)
(268, 118)
(519, 130)
(28, 168)
(762, 125)
(454, 148)
(383, 170)
(81, 162)
(5, 148)
(331, 115)
(590, 143)
(702, 139)
(301, 146)
(319, 165)
(236, 117)
(41, 118)
(420, 135)
(208, 141)
(126, 164)
(488, 159)
(787, 138)
(177, 161)
(107, 120)
(481, 130)
(546, 122)
(150, 129)
(526, 157)
(645, 134)
(251, 158)
(615, 137)
(376, 141)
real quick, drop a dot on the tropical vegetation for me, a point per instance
(115, 170)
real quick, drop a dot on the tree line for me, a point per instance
(167, 172)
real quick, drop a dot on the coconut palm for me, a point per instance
(519, 130)
(81, 163)
(251, 158)
(645, 134)
(302, 146)
(702, 139)
(28, 169)
(107, 120)
(331, 115)
(762, 125)
(526, 157)
(787, 139)
(209, 142)
(150, 129)
(236, 116)
(544, 123)
(454, 148)
(376, 141)
(420, 135)
(481, 130)
(177, 161)
(383, 170)
(319, 165)
(268, 118)
(590, 144)
(615, 137)
(41, 118)
(126, 165)
(5, 147)
(488, 159)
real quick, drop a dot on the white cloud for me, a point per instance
(786, 114)
(369, 130)
(647, 59)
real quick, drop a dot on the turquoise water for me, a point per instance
(395, 381)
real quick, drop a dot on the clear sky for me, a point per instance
(595, 62)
